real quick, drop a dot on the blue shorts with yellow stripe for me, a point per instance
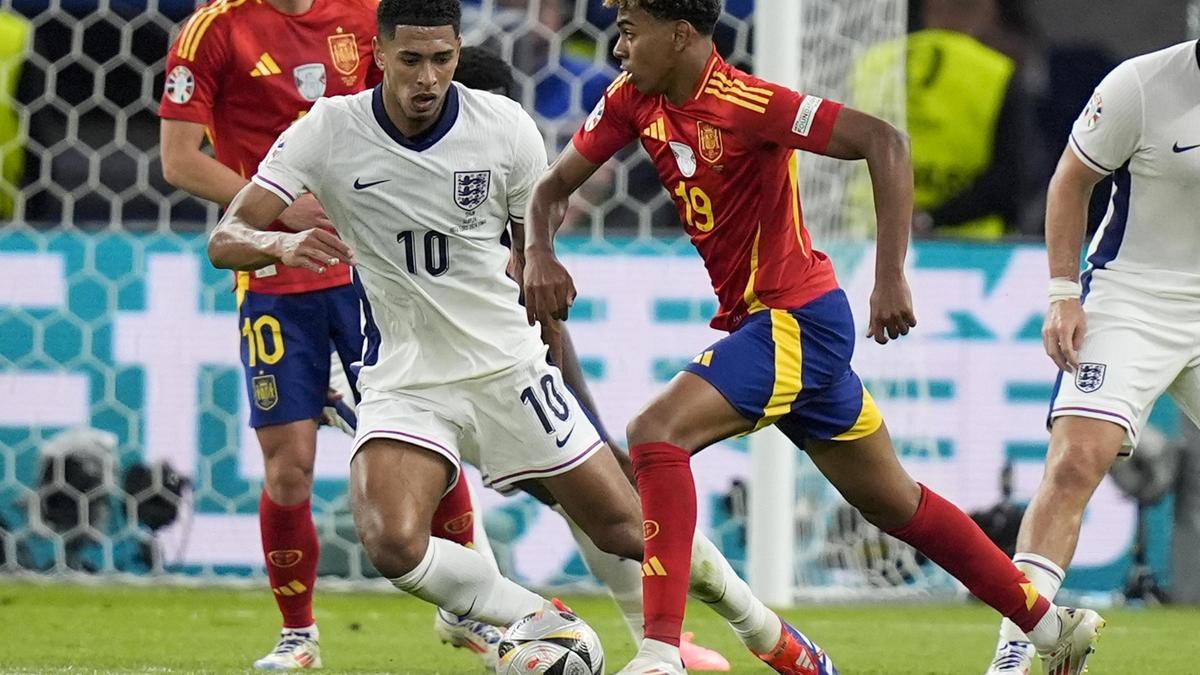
(286, 345)
(791, 368)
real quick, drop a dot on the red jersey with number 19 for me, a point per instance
(246, 71)
(727, 156)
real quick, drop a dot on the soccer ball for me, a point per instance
(550, 642)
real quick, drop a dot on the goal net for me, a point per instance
(852, 51)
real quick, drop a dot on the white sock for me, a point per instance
(481, 543)
(460, 581)
(660, 651)
(1046, 578)
(622, 576)
(716, 584)
(311, 631)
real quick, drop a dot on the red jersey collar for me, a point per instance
(714, 62)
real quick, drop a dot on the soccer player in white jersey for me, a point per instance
(421, 177)
(1131, 330)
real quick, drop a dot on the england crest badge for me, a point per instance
(471, 188)
(1089, 377)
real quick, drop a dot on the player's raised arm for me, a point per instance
(241, 242)
(549, 290)
(856, 135)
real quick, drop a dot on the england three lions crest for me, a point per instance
(471, 188)
(1089, 377)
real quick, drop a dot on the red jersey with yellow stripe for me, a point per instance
(727, 157)
(246, 71)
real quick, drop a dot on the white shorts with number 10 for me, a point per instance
(1138, 345)
(519, 424)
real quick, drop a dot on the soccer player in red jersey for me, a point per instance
(723, 143)
(240, 72)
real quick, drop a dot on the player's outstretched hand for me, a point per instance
(891, 311)
(314, 249)
(304, 214)
(549, 290)
(1063, 331)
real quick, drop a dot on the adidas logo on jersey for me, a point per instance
(657, 130)
(266, 66)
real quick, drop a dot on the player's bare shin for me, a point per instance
(860, 136)
(549, 290)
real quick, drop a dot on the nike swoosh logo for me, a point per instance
(364, 186)
(563, 441)
(1179, 148)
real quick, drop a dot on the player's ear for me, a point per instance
(682, 36)
(377, 52)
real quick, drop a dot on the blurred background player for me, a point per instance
(717, 136)
(239, 73)
(967, 175)
(1128, 332)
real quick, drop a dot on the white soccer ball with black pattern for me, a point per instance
(550, 642)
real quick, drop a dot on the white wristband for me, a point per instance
(1062, 288)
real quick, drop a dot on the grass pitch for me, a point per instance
(68, 628)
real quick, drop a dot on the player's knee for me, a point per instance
(288, 483)
(654, 425)
(887, 507)
(1077, 470)
(394, 547)
(622, 539)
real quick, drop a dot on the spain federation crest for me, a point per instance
(343, 53)
(266, 394)
(1089, 377)
(711, 147)
(471, 188)
(310, 80)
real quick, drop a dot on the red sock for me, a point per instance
(454, 518)
(949, 538)
(664, 479)
(291, 548)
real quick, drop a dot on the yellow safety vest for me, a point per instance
(14, 34)
(956, 88)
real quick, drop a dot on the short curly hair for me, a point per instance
(392, 13)
(702, 14)
(479, 68)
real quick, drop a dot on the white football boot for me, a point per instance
(468, 634)
(1077, 636)
(297, 649)
(1012, 658)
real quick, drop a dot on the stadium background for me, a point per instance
(111, 318)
